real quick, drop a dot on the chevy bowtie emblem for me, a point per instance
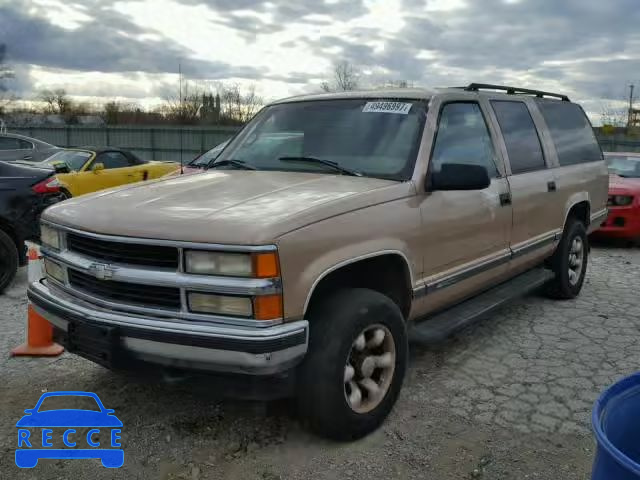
(102, 271)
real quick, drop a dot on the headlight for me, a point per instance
(220, 304)
(620, 200)
(55, 271)
(50, 237)
(259, 265)
(216, 263)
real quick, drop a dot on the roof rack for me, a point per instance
(475, 87)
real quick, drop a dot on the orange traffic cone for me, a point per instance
(34, 267)
(39, 331)
(39, 338)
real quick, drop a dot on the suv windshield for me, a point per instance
(624, 166)
(208, 156)
(374, 138)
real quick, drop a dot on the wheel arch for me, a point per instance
(578, 206)
(353, 267)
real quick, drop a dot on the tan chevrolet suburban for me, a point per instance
(332, 230)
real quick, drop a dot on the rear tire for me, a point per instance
(339, 326)
(8, 260)
(569, 262)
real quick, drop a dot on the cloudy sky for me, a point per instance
(130, 50)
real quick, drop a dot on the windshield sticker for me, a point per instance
(387, 107)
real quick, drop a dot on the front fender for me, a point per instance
(309, 254)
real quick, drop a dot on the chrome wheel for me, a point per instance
(576, 260)
(369, 368)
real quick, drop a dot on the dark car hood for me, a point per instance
(13, 175)
(69, 418)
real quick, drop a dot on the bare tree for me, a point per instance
(397, 84)
(345, 77)
(614, 113)
(185, 109)
(237, 105)
(56, 101)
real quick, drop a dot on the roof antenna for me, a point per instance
(180, 78)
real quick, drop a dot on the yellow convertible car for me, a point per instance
(86, 170)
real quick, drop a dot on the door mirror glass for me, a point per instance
(460, 176)
(61, 167)
(97, 167)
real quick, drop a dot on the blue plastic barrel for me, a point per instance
(616, 423)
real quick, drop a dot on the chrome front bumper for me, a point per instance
(181, 343)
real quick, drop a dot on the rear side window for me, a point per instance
(9, 143)
(113, 160)
(571, 132)
(520, 136)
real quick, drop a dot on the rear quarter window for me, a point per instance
(571, 132)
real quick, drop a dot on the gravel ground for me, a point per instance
(507, 399)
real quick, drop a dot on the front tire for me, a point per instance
(569, 262)
(355, 366)
(8, 260)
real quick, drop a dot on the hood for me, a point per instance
(186, 170)
(69, 418)
(623, 185)
(13, 175)
(224, 206)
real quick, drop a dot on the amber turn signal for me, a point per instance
(265, 265)
(267, 307)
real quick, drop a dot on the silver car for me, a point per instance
(14, 147)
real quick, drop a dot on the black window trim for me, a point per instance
(437, 130)
(546, 165)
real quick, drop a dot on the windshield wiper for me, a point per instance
(328, 163)
(234, 163)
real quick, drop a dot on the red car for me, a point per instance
(624, 197)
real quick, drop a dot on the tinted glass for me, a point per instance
(463, 138)
(375, 138)
(520, 136)
(73, 158)
(571, 132)
(24, 145)
(623, 166)
(8, 143)
(112, 160)
(208, 156)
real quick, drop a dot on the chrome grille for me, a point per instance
(124, 253)
(122, 292)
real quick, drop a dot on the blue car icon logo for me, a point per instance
(38, 429)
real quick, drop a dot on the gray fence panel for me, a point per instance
(148, 142)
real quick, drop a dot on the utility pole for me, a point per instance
(180, 80)
(630, 119)
(180, 77)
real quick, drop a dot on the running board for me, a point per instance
(437, 328)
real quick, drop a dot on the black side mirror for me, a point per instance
(61, 168)
(459, 176)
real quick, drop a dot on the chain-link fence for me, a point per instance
(150, 143)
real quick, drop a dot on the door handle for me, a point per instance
(551, 186)
(505, 199)
(27, 157)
